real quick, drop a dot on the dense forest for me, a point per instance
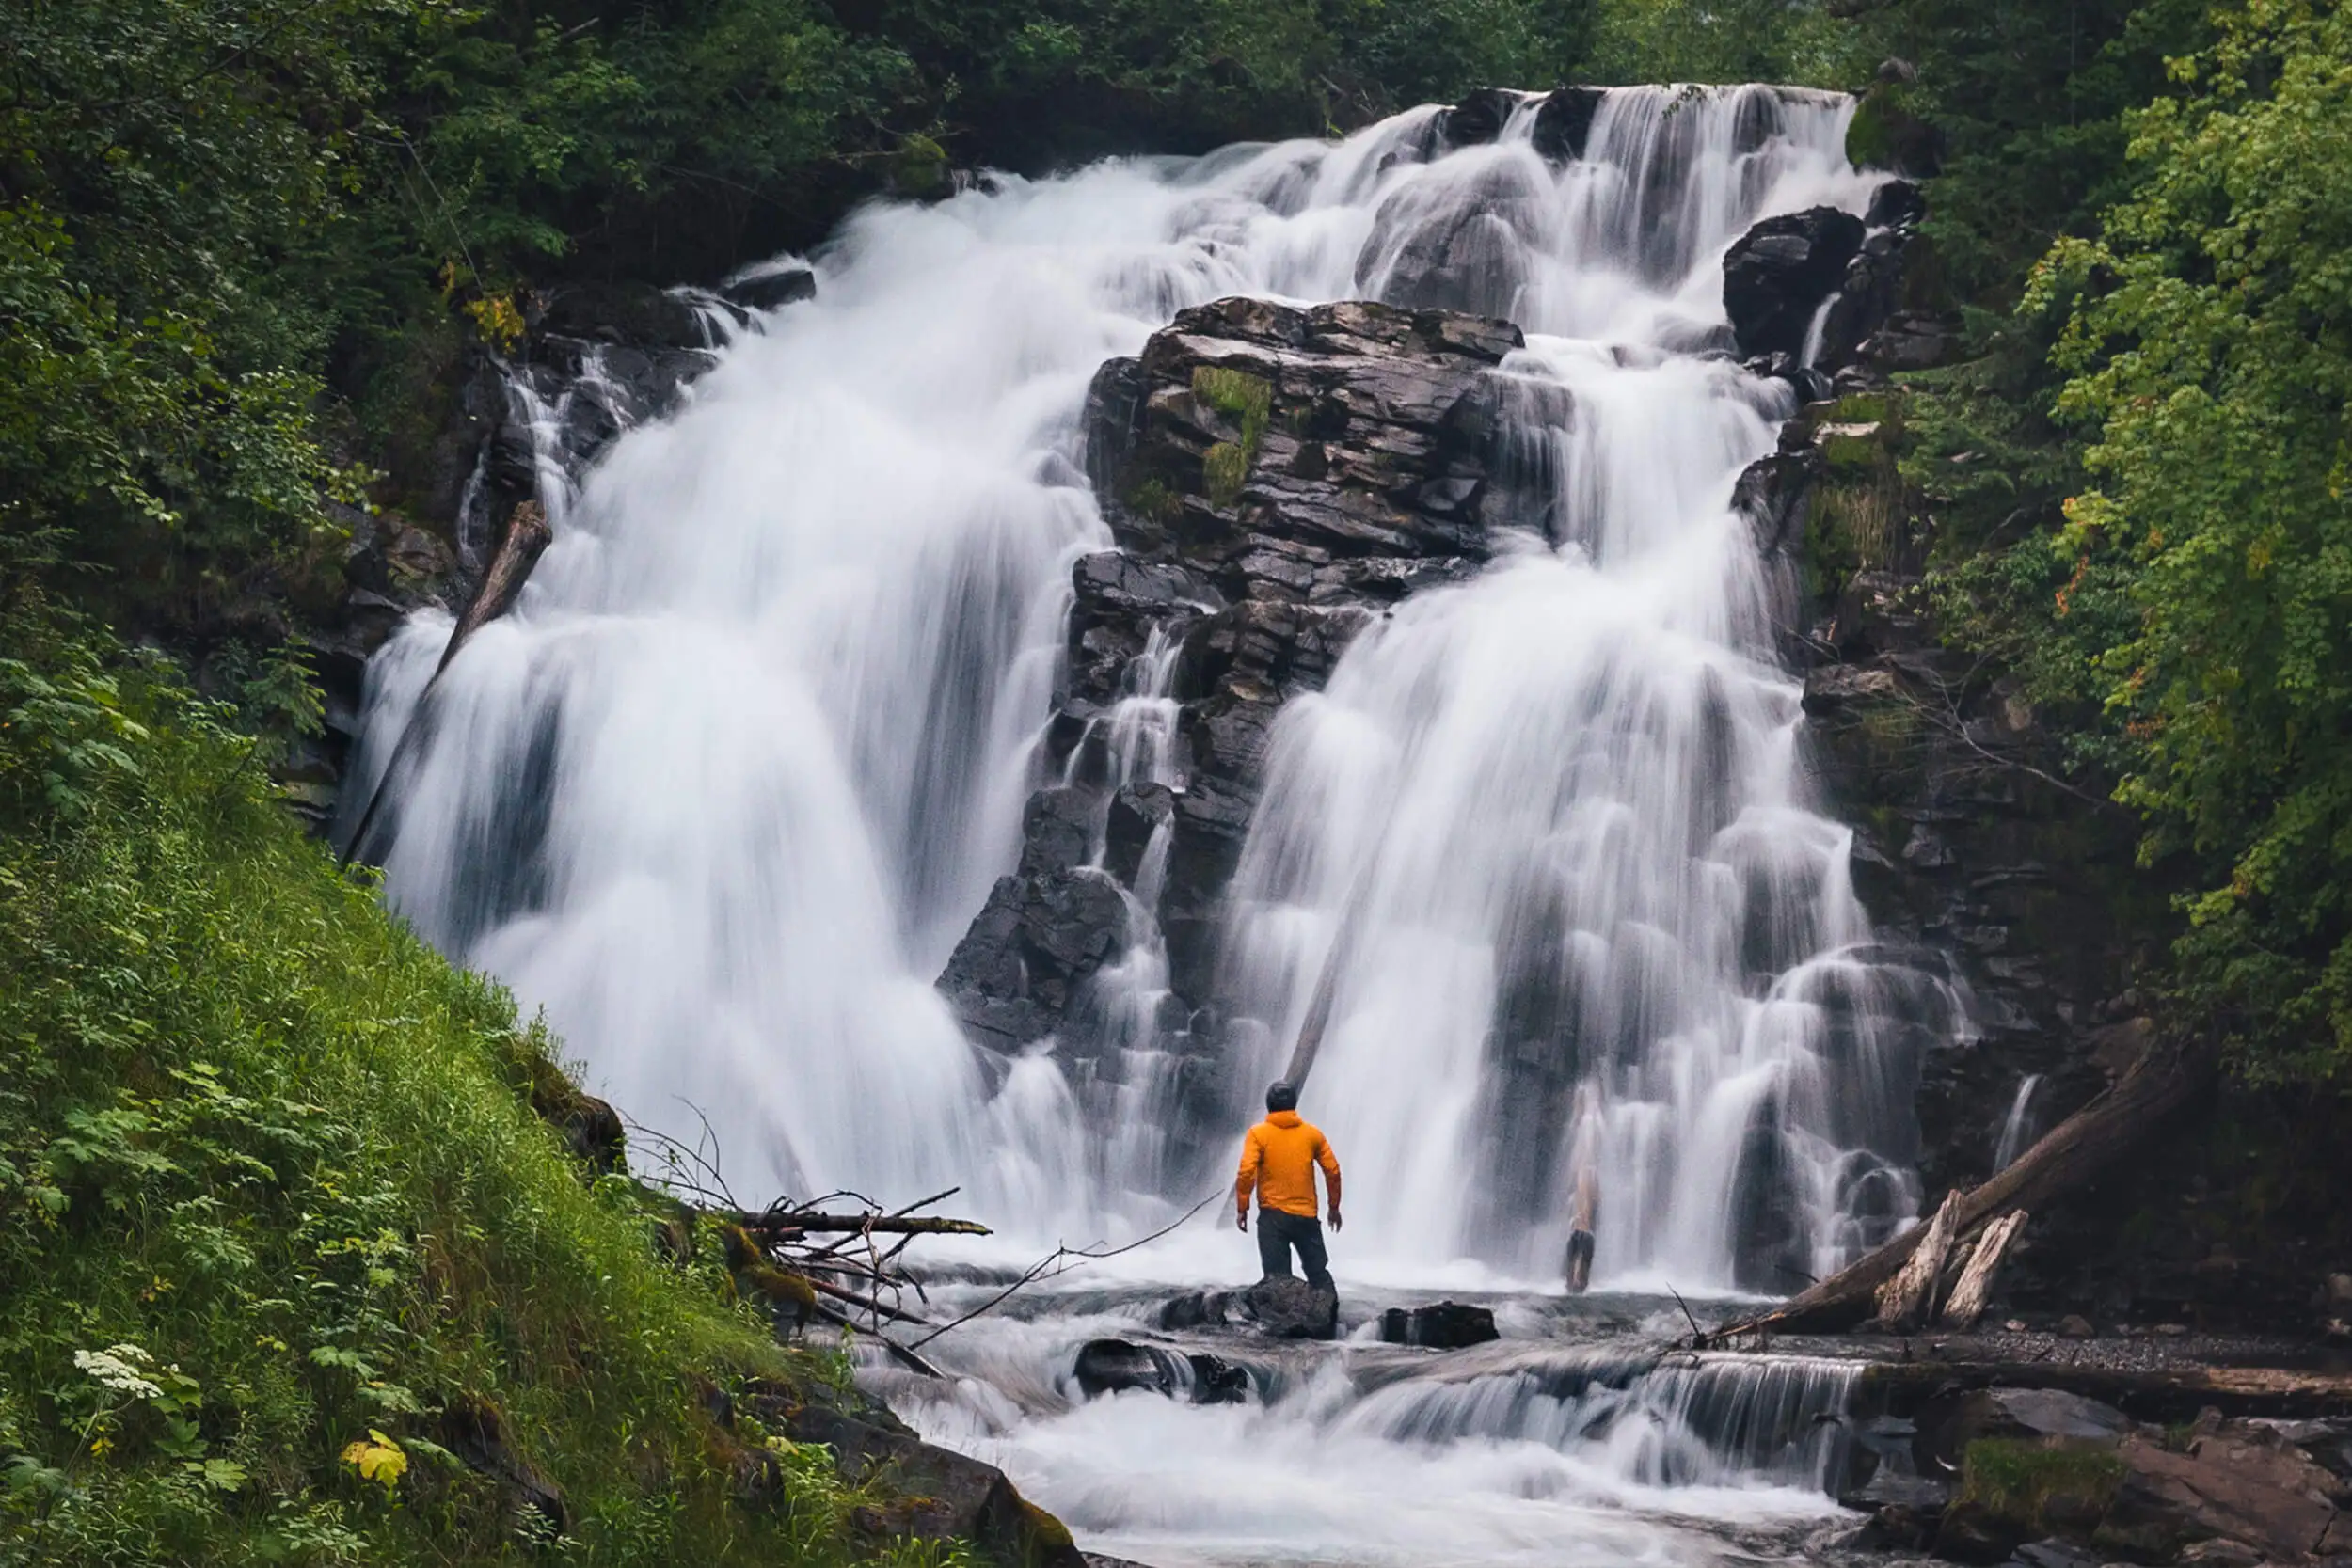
(245, 247)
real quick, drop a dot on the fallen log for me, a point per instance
(782, 1226)
(1975, 1281)
(2144, 1393)
(2167, 1077)
(526, 540)
(1905, 1301)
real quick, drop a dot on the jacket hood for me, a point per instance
(1283, 1119)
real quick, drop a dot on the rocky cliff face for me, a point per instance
(1274, 478)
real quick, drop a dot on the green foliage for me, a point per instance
(2210, 345)
(271, 1192)
(1247, 400)
(2038, 1485)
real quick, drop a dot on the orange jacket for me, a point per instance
(1279, 1159)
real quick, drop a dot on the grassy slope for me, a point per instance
(253, 1129)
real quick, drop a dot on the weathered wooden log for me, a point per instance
(2167, 1077)
(1905, 1301)
(878, 1224)
(526, 540)
(2161, 1393)
(1976, 1280)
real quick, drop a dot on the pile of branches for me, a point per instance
(839, 1258)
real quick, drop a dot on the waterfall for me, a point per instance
(724, 792)
(2017, 1127)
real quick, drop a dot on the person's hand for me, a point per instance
(1241, 1219)
(1337, 1223)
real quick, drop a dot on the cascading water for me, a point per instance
(724, 792)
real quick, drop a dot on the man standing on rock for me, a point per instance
(1279, 1159)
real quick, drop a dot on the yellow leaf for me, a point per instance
(377, 1458)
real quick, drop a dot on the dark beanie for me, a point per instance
(1282, 1097)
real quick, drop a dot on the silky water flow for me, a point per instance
(724, 792)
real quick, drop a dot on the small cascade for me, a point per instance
(2017, 1128)
(1653, 1422)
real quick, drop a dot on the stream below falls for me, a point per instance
(725, 790)
(1573, 1440)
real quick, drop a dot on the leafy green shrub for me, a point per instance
(271, 1197)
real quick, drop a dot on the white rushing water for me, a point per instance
(724, 792)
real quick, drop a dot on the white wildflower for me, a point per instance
(120, 1368)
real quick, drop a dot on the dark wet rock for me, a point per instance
(1043, 934)
(1058, 831)
(1280, 1308)
(771, 291)
(633, 315)
(935, 1495)
(1773, 494)
(1895, 202)
(1479, 118)
(1809, 385)
(1565, 122)
(1440, 1325)
(1121, 1365)
(1217, 1381)
(1366, 477)
(1777, 274)
(1288, 1307)
(1137, 811)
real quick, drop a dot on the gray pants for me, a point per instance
(1277, 1232)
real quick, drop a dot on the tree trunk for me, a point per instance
(879, 1225)
(526, 540)
(1976, 1280)
(2166, 1078)
(1905, 1301)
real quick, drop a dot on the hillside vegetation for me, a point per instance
(290, 1270)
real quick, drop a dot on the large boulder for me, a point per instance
(1565, 122)
(936, 1494)
(1121, 1365)
(1440, 1325)
(1777, 275)
(1280, 1308)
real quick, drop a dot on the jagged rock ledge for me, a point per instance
(1274, 478)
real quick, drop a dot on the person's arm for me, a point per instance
(1330, 1163)
(1245, 1182)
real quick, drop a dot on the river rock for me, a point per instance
(1479, 118)
(1280, 1308)
(1565, 122)
(1777, 274)
(1120, 1365)
(2242, 1483)
(771, 291)
(1440, 1325)
(933, 1493)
